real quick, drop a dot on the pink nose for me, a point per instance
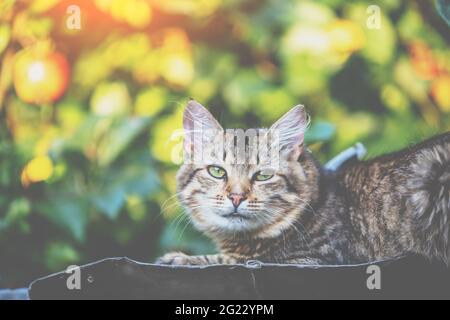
(236, 198)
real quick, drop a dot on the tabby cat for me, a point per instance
(301, 213)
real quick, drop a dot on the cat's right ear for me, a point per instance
(196, 121)
(291, 129)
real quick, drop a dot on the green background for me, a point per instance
(134, 64)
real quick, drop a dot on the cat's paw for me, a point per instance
(174, 258)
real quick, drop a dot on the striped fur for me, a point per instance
(368, 210)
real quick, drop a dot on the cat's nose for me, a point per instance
(237, 198)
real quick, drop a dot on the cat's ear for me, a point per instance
(196, 121)
(291, 129)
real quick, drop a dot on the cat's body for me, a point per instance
(366, 211)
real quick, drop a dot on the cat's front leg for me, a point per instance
(179, 258)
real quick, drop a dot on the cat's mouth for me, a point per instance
(236, 215)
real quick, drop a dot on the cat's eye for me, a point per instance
(262, 176)
(217, 172)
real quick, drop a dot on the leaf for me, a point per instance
(110, 201)
(84, 136)
(179, 236)
(111, 99)
(239, 92)
(135, 177)
(18, 209)
(151, 101)
(140, 180)
(320, 131)
(104, 138)
(41, 6)
(380, 43)
(120, 135)
(304, 74)
(69, 212)
(5, 34)
(6, 5)
(59, 255)
(3, 201)
(273, 103)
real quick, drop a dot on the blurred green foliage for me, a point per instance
(89, 116)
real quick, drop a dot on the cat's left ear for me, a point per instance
(291, 130)
(196, 122)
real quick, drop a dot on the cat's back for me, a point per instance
(431, 155)
(439, 143)
(399, 201)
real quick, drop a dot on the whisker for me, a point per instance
(169, 199)
(184, 229)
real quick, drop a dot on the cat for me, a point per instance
(301, 213)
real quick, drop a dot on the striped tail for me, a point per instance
(430, 200)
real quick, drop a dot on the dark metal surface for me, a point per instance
(122, 278)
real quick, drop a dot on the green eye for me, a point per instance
(217, 172)
(259, 176)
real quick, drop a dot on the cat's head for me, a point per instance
(225, 197)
